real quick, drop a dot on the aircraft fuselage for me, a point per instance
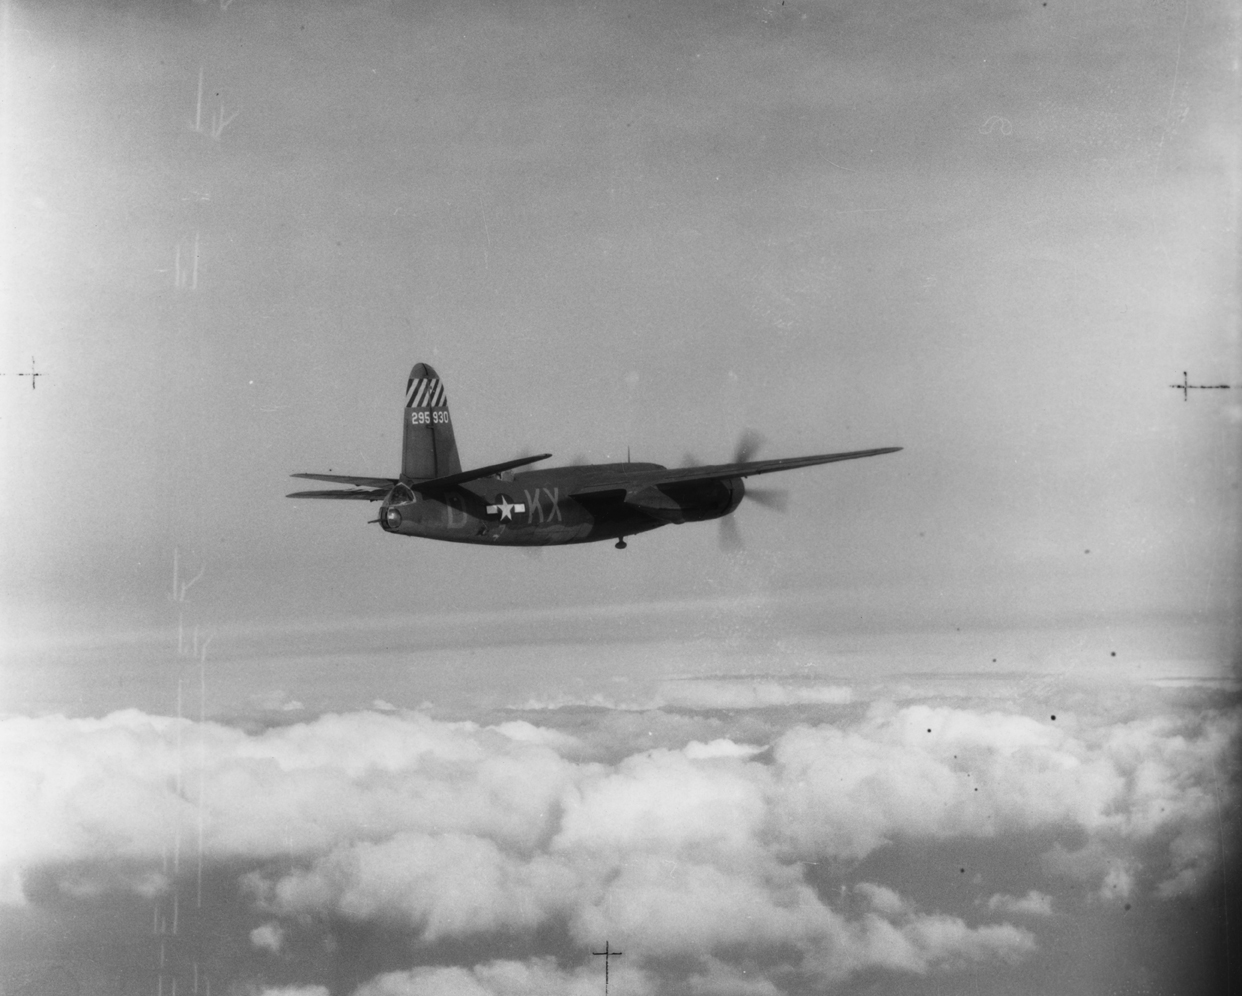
(535, 508)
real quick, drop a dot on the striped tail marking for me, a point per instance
(425, 392)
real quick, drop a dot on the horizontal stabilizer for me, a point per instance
(362, 482)
(444, 483)
(373, 495)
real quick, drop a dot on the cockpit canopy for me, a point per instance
(400, 495)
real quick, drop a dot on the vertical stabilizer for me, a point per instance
(428, 447)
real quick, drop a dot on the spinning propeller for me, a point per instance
(776, 499)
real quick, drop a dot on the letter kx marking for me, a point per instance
(535, 504)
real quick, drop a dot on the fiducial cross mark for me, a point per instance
(1186, 387)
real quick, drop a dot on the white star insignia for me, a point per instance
(506, 508)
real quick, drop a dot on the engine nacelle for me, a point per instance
(737, 491)
(699, 500)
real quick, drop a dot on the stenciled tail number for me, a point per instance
(426, 417)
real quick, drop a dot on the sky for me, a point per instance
(992, 233)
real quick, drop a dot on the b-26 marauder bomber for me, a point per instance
(435, 499)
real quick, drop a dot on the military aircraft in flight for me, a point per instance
(435, 499)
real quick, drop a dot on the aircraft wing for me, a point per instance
(376, 494)
(639, 479)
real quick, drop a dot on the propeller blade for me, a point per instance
(747, 446)
(776, 499)
(730, 537)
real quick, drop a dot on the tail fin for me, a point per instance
(428, 448)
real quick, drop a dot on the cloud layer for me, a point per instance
(720, 862)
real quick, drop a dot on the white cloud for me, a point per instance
(294, 991)
(938, 773)
(275, 700)
(718, 748)
(268, 937)
(692, 855)
(528, 733)
(90, 881)
(424, 982)
(537, 977)
(916, 943)
(721, 979)
(1034, 903)
(1118, 883)
(882, 900)
(542, 977)
(705, 694)
(445, 885)
(750, 693)
(946, 940)
(665, 800)
(105, 789)
(669, 906)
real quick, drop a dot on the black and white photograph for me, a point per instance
(620, 497)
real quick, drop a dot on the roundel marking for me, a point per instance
(504, 507)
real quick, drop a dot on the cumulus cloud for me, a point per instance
(897, 934)
(694, 856)
(294, 991)
(276, 700)
(707, 694)
(719, 748)
(445, 885)
(538, 977)
(717, 978)
(882, 899)
(268, 937)
(665, 800)
(1034, 903)
(108, 788)
(750, 693)
(543, 977)
(1118, 882)
(91, 881)
(940, 772)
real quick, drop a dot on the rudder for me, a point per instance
(428, 446)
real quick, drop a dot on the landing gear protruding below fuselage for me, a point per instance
(621, 544)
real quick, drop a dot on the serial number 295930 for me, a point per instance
(427, 417)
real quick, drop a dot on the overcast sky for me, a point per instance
(994, 234)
